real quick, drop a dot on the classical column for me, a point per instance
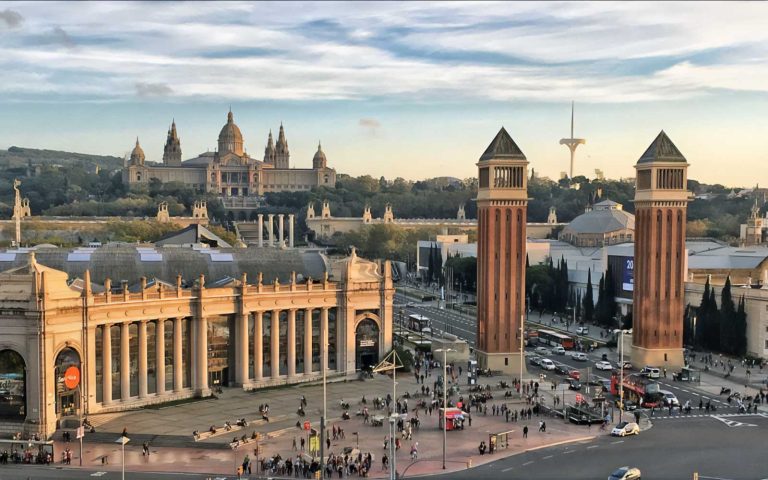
(241, 349)
(275, 347)
(89, 376)
(291, 340)
(125, 361)
(280, 226)
(324, 340)
(258, 355)
(270, 226)
(106, 349)
(307, 341)
(143, 359)
(201, 368)
(261, 230)
(290, 230)
(178, 373)
(160, 357)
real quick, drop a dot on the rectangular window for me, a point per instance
(484, 177)
(644, 180)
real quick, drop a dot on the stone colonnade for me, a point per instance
(271, 241)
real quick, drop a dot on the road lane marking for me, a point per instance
(527, 463)
(592, 446)
(548, 457)
(507, 469)
(617, 441)
(568, 451)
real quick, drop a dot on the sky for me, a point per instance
(411, 89)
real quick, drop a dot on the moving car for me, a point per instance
(543, 350)
(580, 356)
(651, 372)
(625, 473)
(603, 365)
(574, 374)
(573, 384)
(629, 405)
(625, 428)
(626, 365)
(669, 398)
(582, 330)
(562, 369)
(547, 364)
(558, 350)
(534, 360)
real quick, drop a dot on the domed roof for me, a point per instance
(602, 220)
(230, 138)
(319, 154)
(137, 154)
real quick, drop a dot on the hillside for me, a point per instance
(18, 157)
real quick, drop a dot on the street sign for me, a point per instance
(579, 398)
(80, 432)
(307, 425)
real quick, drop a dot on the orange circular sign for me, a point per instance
(72, 377)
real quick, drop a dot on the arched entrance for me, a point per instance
(13, 385)
(366, 344)
(67, 373)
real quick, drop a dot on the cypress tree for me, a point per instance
(727, 319)
(702, 320)
(600, 310)
(714, 322)
(588, 300)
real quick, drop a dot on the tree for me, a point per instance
(740, 334)
(727, 319)
(588, 300)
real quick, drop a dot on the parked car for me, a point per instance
(603, 365)
(580, 356)
(582, 330)
(575, 374)
(534, 360)
(625, 473)
(543, 351)
(547, 364)
(625, 428)
(669, 398)
(558, 350)
(573, 384)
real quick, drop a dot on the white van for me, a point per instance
(547, 364)
(558, 350)
(651, 372)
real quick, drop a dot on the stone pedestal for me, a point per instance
(508, 363)
(669, 358)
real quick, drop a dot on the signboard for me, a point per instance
(367, 343)
(628, 274)
(72, 377)
(307, 425)
(80, 432)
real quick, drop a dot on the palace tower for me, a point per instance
(502, 203)
(661, 200)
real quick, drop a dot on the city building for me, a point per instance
(605, 223)
(325, 225)
(230, 171)
(74, 347)
(755, 231)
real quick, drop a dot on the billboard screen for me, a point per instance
(627, 274)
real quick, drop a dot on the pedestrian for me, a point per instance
(294, 444)
(302, 443)
(525, 431)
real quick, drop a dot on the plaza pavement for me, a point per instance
(168, 430)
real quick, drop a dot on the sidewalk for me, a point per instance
(162, 428)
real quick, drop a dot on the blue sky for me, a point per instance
(411, 89)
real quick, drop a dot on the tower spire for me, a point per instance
(572, 142)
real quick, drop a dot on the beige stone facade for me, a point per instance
(167, 342)
(230, 172)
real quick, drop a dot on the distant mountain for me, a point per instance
(16, 157)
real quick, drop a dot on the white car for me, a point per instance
(625, 428)
(580, 356)
(603, 365)
(670, 398)
(543, 351)
(625, 473)
(558, 350)
(582, 330)
(547, 364)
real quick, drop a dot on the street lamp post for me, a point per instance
(621, 334)
(323, 364)
(122, 441)
(445, 396)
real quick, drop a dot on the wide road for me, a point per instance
(723, 448)
(463, 326)
(34, 472)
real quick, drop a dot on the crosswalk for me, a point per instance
(717, 416)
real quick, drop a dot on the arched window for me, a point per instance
(68, 381)
(13, 385)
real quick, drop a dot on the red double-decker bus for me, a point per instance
(637, 388)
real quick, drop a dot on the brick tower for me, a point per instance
(661, 200)
(502, 203)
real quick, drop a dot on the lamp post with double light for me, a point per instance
(122, 441)
(620, 335)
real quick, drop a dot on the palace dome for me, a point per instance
(137, 154)
(230, 138)
(319, 160)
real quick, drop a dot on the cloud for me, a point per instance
(153, 89)
(11, 18)
(371, 125)
(60, 36)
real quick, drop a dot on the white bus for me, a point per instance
(419, 323)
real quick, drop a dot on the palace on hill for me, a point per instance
(230, 171)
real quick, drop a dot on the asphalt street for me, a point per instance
(723, 448)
